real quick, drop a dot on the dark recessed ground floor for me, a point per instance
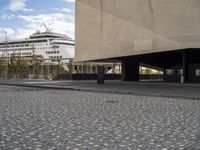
(177, 66)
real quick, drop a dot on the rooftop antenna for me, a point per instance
(46, 28)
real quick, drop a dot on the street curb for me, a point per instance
(103, 91)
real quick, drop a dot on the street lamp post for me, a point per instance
(34, 60)
(6, 43)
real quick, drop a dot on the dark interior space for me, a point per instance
(178, 65)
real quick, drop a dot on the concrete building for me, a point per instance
(160, 33)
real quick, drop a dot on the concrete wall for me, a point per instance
(115, 28)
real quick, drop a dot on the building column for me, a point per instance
(130, 70)
(164, 74)
(185, 66)
(100, 75)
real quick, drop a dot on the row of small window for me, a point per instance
(47, 48)
(55, 57)
(19, 49)
(52, 52)
(53, 47)
(39, 44)
(19, 54)
(26, 53)
(56, 47)
(44, 48)
(26, 48)
(8, 46)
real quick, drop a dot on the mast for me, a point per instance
(46, 27)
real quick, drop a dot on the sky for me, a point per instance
(21, 18)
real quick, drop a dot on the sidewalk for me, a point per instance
(189, 91)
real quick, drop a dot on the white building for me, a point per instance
(51, 46)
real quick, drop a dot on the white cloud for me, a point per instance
(16, 5)
(70, 1)
(6, 17)
(66, 10)
(9, 32)
(58, 22)
(22, 33)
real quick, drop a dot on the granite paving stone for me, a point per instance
(44, 119)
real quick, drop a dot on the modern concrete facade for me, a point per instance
(161, 33)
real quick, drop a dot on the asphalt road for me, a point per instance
(41, 119)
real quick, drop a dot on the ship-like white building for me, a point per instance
(52, 47)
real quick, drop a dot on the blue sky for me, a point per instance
(20, 18)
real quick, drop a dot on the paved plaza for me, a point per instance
(190, 91)
(41, 119)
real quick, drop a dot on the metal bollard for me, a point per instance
(100, 75)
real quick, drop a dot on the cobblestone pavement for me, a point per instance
(40, 119)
